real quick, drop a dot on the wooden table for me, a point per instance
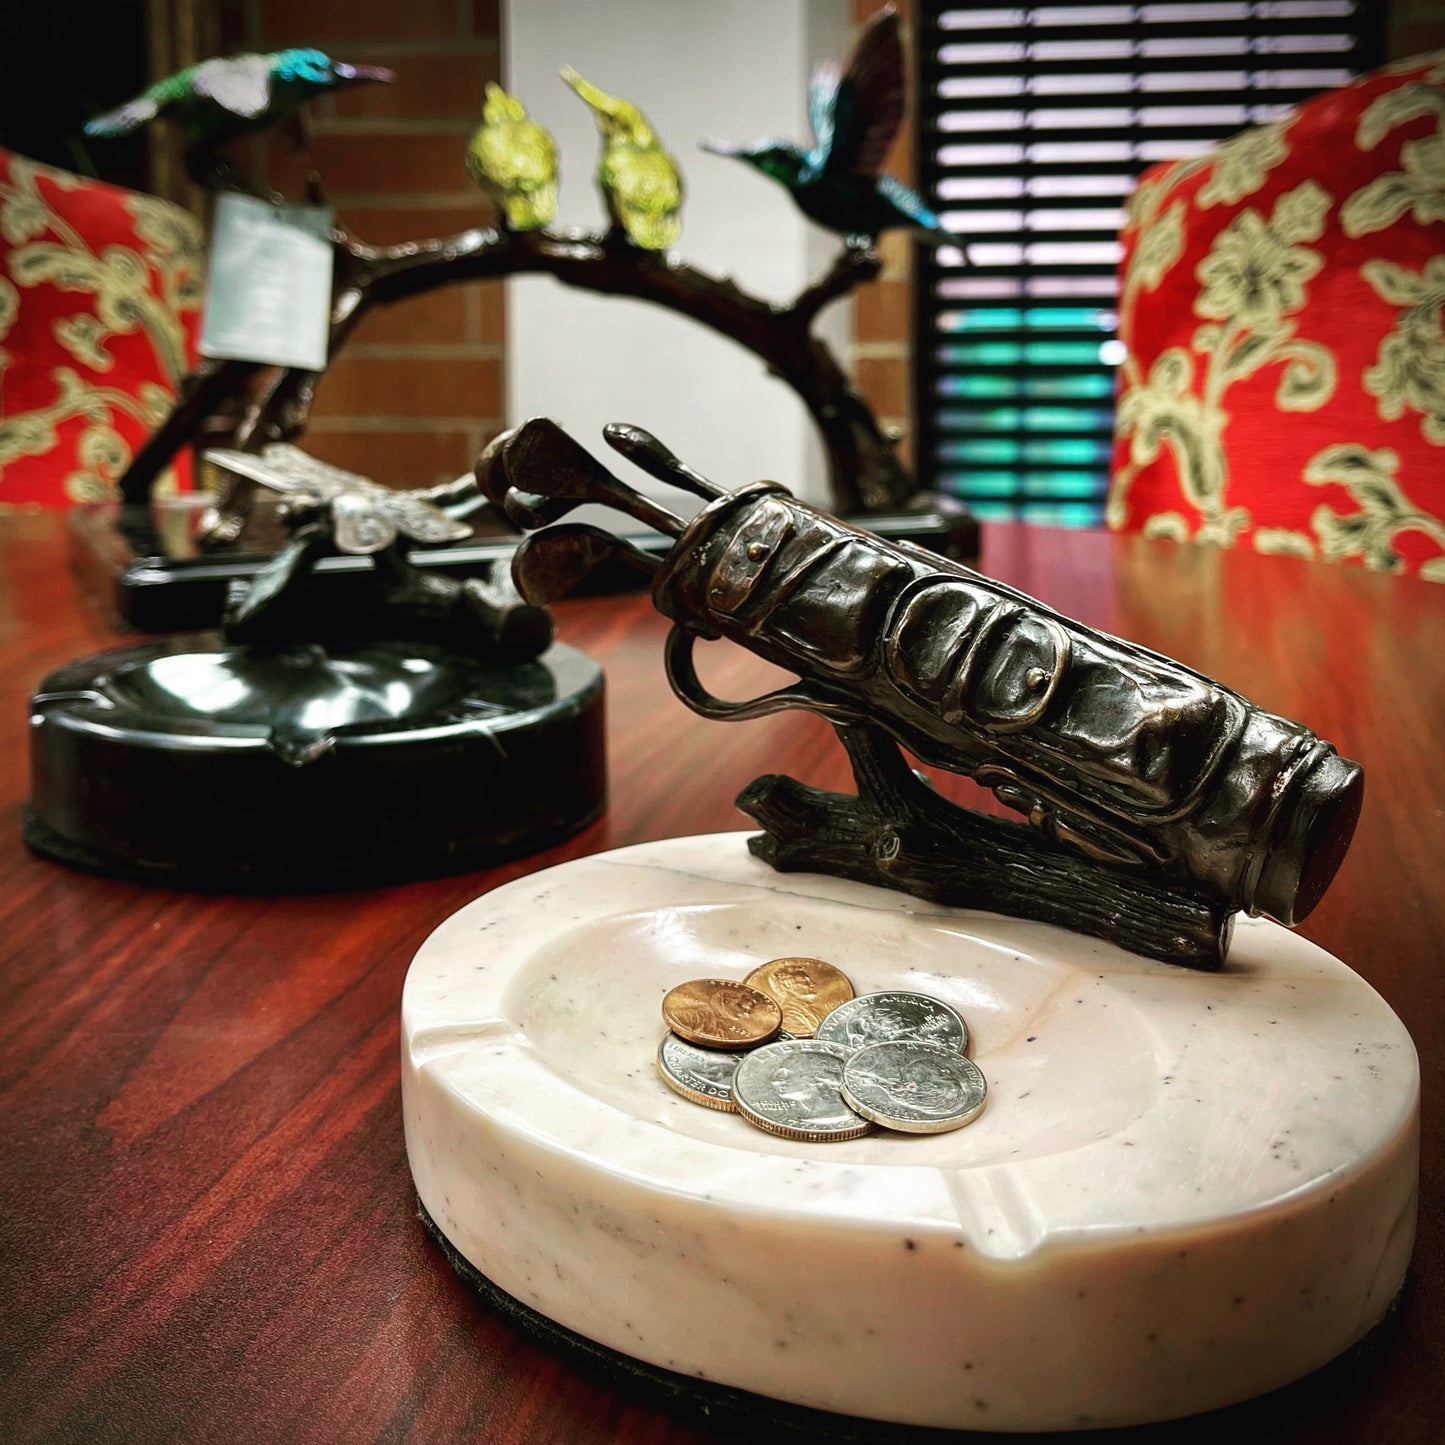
(207, 1227)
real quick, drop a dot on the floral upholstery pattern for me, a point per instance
(100, 300)
(1281, 305)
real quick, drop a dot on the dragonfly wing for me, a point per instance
(421, 521)
(318, 476)
(258, 469)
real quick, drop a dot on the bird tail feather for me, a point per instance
(937, 236)
(123, 119)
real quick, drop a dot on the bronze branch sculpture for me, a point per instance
(856, 112)
(865, 471)
(1158, 802)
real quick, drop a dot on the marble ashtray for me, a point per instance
(196, 762)
(1186, 1189)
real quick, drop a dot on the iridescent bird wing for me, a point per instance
(168, 96)
(868, 104)
(419, 520)
(241, 85)
(822, 94)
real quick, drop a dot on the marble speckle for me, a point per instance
(1147, 1132)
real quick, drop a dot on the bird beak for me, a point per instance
(599, 100)
(718, 148)
(363, 72)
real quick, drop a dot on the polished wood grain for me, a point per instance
(207, 1228)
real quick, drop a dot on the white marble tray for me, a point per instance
(1186, 1188)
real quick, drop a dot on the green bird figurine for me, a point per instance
(219, 99)
(839, 182)
(639, 180)
(514, 160)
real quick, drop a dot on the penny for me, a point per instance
(806, 989)
(913, 1087)
(720, 1013)
(793, 1089)
(876, 1018)
(703, 1076)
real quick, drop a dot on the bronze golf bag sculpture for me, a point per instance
(1159, 803)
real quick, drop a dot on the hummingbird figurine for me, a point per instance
(220, 99)
(840, 182)
(639, 181)
(514, 160)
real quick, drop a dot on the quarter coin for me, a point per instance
(720, 1013)
(876, 1018)
(806, 989)
(793, 1090)
(704, 1076)
(913, 1087)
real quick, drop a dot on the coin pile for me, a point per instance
(798, 1054)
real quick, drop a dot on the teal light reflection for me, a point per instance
(1078, 384)
(1033, 318)
(1068, 451)
(981, 449)
(1024, 423)
(994, 418)
(1065, 483)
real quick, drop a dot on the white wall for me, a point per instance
(733, 70)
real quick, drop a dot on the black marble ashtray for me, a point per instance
(209, 764)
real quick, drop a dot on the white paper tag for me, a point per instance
(268, 295)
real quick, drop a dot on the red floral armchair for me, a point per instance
(100, 300)
(1281, 304)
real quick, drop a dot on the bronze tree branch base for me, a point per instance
(898, 833)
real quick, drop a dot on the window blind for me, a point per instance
(1033, 123)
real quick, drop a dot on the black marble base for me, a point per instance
(143, 563)
(197, 763)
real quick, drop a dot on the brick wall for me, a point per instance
(419, 387)
(883, 312)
